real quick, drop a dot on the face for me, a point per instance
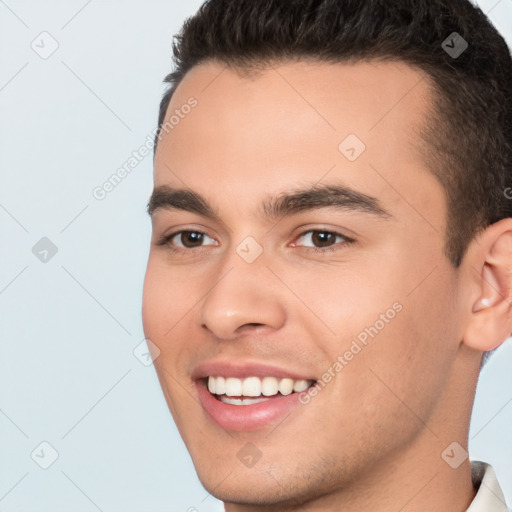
(297, 260)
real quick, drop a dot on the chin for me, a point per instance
(276, 483)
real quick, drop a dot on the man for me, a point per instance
(332, 250)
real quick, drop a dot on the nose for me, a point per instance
(245, 296)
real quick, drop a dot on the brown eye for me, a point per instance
(190, 238)
(323, 238)
(320, 239)
(183, 240)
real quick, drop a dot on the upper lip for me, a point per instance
(242, 370)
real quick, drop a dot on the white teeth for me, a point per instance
(233, 386)
(254, 387)
(251, 386)
(298, 386)
(286, 386)
(269, 386)
(244, 401)
(220, 385)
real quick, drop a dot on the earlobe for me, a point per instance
(481, 304)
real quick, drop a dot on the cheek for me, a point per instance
(160, 313)
(345, 300)
(393, 335)
(164, 299)
(170, 300)
(153, 298)
(406, 366)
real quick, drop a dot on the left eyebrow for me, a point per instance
(283, 205)
(322, 196)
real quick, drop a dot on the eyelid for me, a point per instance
(346, 240)
(306, 228)
(165, 238)
(177, 233)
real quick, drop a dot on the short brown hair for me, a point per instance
(468, 133)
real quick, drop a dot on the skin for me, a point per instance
(372, 438)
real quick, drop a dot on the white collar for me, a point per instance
(489, 496)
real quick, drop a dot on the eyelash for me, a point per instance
(165, 240)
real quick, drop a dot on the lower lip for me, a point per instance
(246, 417)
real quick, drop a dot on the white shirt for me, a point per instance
(489, 496)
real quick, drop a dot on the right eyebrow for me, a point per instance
(165, 197)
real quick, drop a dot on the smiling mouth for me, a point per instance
(253, 390)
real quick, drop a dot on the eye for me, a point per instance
(322, 240)
(314, 239)
(183, 240)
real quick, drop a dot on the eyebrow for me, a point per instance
(273, 208)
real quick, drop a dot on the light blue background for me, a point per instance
(68, 375)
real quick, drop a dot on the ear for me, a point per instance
(490, 261)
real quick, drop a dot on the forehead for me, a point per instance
(299, 123)
(364, 97)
